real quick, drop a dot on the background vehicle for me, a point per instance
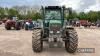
(29, 24)
(54, 30)
(10, 23)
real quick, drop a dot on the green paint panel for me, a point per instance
(55, 21)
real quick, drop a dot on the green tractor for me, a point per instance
(54, 30)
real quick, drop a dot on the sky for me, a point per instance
(78, 5)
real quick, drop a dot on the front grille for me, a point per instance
(55, 28)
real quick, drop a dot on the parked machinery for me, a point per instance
(54, 31)
(11, 23)
(29, 24)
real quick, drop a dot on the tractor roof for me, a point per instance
(52, 7)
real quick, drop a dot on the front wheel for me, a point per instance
(7, 26)
(37, 44)
(72, 41)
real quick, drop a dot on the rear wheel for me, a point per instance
(7, 27)
(72, 41)
(37, 44)
(18, 26)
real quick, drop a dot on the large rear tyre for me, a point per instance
(18, 26)
(7, 27)
(37, 44)
(72, 41)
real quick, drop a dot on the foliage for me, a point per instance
(13, 12)
(72, 15)
(91, 15)
(1, 12)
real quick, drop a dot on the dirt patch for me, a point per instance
(7, 53)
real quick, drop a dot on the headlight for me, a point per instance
(51, 31)
(58, 31)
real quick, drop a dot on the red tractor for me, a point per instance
(9, 24)
(85, 23)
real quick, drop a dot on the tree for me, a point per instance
(72, 15)
(92, 15)
(2, 12)
(82, 15)
(13, 12)
(30, 14)
(37, 16)
(98, 15)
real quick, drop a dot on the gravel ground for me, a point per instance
(18, 43)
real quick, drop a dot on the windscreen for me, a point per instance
(53, 14)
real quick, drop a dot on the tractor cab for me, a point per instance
(52, 19)
(52, 14)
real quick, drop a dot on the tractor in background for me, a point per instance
(12, 23)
